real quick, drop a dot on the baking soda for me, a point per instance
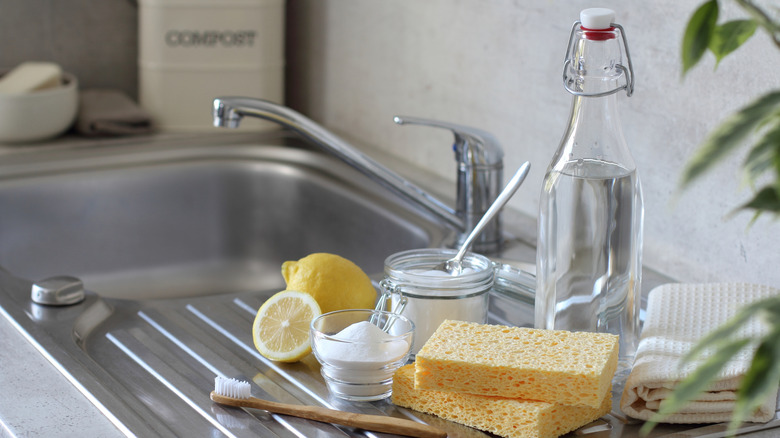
(363, 343)
(430, 311)
(359, 355)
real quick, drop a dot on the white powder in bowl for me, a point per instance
(363, 342)
(360, 353)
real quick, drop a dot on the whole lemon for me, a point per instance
(335, 282)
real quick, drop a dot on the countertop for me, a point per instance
(37, 399)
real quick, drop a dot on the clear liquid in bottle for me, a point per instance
(590, 231)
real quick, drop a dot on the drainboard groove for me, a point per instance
(297, 375)
(248, 308)
(198, 342)
(197, 412)
(180, 340)
(302, 378)
(184, 340)
(150, 391)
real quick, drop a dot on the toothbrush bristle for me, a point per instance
(231, 387)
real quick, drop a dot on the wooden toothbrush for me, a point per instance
(234, 392)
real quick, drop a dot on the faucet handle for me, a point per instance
(472, 145)
(479, 178)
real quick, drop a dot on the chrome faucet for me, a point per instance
(479, 157)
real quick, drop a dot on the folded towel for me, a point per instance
(678, 315)
(110, 112)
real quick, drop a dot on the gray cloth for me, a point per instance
(110, 112)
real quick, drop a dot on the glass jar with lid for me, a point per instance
(413, 288)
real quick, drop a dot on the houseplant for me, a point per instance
(756, 127)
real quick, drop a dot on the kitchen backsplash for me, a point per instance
(94, 40)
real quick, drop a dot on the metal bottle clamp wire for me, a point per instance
(629, 73)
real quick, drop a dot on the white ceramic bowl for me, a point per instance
(39, 115)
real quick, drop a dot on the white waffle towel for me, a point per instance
(678, 315)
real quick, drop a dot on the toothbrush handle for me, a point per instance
(375, 423)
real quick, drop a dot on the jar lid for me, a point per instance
(413, 272)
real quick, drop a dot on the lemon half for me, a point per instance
(335, 282)
(281, 328)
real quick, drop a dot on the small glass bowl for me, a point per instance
(359, 364)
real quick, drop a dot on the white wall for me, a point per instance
(94, 40)
(496, 65)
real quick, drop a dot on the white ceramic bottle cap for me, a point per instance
(597, 18)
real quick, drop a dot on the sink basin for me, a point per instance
(191, 221)
(178, 243)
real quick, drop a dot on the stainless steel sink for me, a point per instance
(178, 243)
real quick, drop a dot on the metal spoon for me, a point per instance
(454, 265)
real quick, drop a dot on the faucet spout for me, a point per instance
(228, 112)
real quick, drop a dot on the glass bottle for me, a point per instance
(589, 251)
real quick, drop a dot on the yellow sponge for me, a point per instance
(555, 366)
(506, 417)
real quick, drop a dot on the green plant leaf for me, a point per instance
(761, 379)
(771, 306)
(763, 18)
(776, 161)
(729, 36)
(696, 383)
(730, 134)
(767, 199)
(698, 33)
(764, 154)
